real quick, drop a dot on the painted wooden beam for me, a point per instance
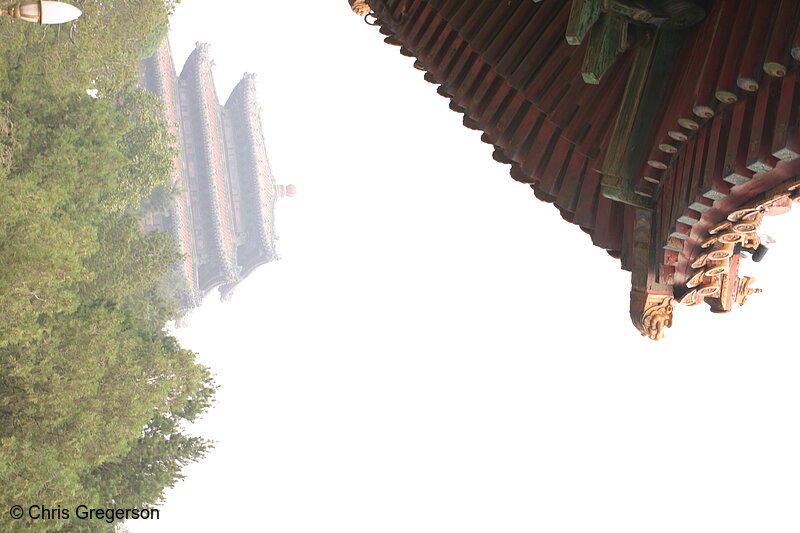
(627, 150)
(606, 39)
(582, 17)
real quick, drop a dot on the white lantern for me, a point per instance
(58, 12)
(44, 12)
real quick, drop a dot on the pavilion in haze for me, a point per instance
(665, 129)
(223, 218)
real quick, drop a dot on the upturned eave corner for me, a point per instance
(665, 129)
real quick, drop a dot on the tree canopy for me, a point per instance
(94, 394)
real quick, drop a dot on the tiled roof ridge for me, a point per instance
(180, 223)
(199, 64)
(244, 101)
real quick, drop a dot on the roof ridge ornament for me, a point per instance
(716, 277)
(360, 7)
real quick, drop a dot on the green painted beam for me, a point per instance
(606, 38)
(582, 17)
(641, 104)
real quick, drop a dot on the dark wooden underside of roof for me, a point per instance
(508, 68)
(684, 130)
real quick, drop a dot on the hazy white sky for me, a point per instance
(438, 351)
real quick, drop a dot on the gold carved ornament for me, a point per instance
(657, 315)
(360, 7)
(740, 226)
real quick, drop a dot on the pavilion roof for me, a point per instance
(161, 78)
(647, 137)
(197, 69)
(254, 170)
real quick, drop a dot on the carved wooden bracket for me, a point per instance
(651, 313)
(607, 24)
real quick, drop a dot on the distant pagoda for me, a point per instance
(223, 218)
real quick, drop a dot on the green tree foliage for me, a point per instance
(156, 458)
(148, 148)
(101, 399)
(76, 156)
(160, 202)
(94, 395)
(146, 260)
(99, 50)
(63, 182)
